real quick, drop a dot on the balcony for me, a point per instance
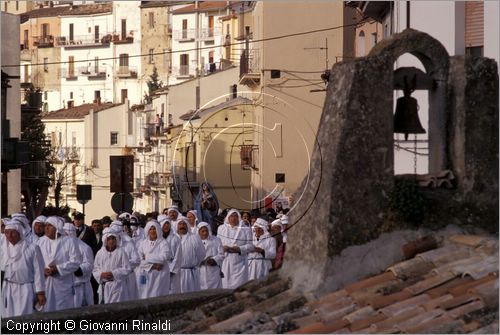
(35, 170)
(157, 179)
(68, 154)
(119, 39)
(84, 41)
(185, 35)
(184, 71)
(25, 45)
(127, 72)
(209, 34)
(69, 73)
(92, 73)
(250, 67)
(43, 41)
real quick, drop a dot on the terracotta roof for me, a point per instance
(78, 112)
(409, 297)
(68, 10)
(204, 6)
(193, 115)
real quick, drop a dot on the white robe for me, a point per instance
(210, 275)
(128, 246)
(24, 277)
(258, 265)
(156, 282)
(193, 253)
(65, 254)
(174, 241)
(84, 296)
(116, 262)
(234, 266)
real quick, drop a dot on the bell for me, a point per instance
(406, 117)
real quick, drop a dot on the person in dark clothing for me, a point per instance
(85, 233)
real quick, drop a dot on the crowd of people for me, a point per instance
(55, 263)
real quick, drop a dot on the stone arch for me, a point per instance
(435, 59)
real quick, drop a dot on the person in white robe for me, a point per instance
(153, 273)
(192, 216)
(23, 280)
(38, 228)
(174, 242)
(62, 258)
(128, 246)
(111, 269)
(28, 235)
(210, 272)
(193, 253)
(260, 259)
(84, 296)
(237, 243)
(173, 216)
(137, 231)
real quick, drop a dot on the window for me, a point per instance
(124, 29)
(151, 20)
(71, 66)
(73, 138)
(5, 6)
(26, 39)
(97, 96)
(26, 73)
(167, 60)
(361, 44)
(114, 138)
(45, 30)
(474, 51)
(210, 26)
(17, 4)
(151, 56)
(373, 39)
(184, 28)
(45, 95)
(211, 57)
(124, 95)
(46, 64)
(71, 32)
(71, 95)
(184, 69)
(96, 65)
(96, 34)
(124, 60)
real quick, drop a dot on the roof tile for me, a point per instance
(431, 282)
(488, 292)
(436, 254)
(360, 314)
(470, 240)
(381, 278)
(405, 305)
(388, 324)
(434, 303)
(458, 301)
(462, 289)
(479, 269)
(446, 287)
(467, 308)
(411, 268)
(390, 299)
(457, 265)
(423, 317)
(356, 326)
(440, 325)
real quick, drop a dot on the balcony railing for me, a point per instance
(157, 179)
(184, 35)
(250, 67)
(209, 33)
(35, 170)
(92, 72)
(127, 72)
(43, 41)
(66, 153)
(185, 71)
(84, 40)
(69, 73)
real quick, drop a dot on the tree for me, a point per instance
(35, 190)
(154, 83)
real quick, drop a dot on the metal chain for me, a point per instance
(415, 156)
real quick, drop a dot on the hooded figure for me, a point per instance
(153, 273)
(173, 216)
(207, 205)
(37, 228)
(23, 219)
(174, 242)
(62, 258)
(193, 253)
(84, 295)
(128, 246)
(23, 280)
(192, 217)
(260, 259)
(111, 269)
(137, 231)
(210, 272)
(237, 243)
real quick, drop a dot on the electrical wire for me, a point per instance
(196, 49)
